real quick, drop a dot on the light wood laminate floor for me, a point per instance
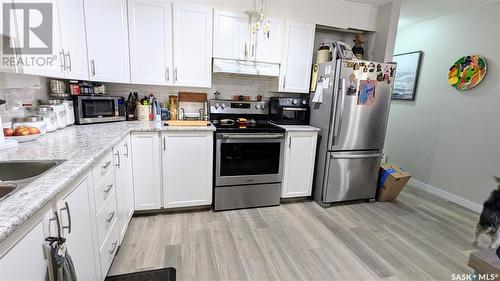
(418, 237)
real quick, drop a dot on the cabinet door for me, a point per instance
(300, 155)
(127, 180)
(230, 35)
(26, 259)
(146, 171)
(107, 40)
(150, 31)
(121, 193)
(269, 48)
(192, 46)
(187, 169)
(295, 71)
(76, 226)
(73, 37)
(45, 61)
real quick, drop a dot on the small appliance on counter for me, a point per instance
(289, 110)
(91, 109)
(248, 155)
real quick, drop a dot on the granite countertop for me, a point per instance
(80, 146)
(299, 128)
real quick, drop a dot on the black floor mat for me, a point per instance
(164, 274)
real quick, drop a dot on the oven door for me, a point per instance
(248, 158)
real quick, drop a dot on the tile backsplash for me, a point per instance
(228, 85)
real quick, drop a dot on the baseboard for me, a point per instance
(446, 195)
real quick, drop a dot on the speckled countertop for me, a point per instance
(299, 128)
(81, 146)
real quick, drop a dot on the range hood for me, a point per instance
(246, 67)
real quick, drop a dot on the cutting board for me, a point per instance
(192, 97)
(187, 123)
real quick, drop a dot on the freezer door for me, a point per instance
(362, 107)
(351, 176)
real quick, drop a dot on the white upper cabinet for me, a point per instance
(146, 171)
(300, 155)
(73, 39)
(295, 71)
(187, 168)
(192, 45)
(150, 31)
(230, 35)
(107, 40)
(42, 53)
(269, 47)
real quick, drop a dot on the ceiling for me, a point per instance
(415, 11)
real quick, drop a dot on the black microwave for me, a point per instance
(289, 110)
(91, 109)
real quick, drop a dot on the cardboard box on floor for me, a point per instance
(391, 180)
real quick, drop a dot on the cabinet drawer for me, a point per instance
(101, 168)
(108, 249)
(106, 217)
(103, 190)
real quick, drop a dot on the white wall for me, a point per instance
(450, 139)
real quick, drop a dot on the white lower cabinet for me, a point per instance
(146, 171)
(75, 217)
(300, 155)
(124, 185)
(25, 260)
(187, 168)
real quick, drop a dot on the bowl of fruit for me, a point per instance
(22, 133)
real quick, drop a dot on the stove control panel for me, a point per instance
(238, 107)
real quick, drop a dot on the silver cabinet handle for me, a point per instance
(289, 142)
(69, 60)
(167, 74)
(253, 50)
(284, 82)
(126, 149)
(113, 249)
(175, 74)
(106, 191)
(118, 162)
(66, 208)
(58, 224)
(110, 217)
(63, 60)
(105, 166)
(246, 52)
(164, 144)
(92, 67)
(338, 124)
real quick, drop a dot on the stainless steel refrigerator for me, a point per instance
(352, 112)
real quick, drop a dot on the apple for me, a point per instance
(33, 130)
(8, 132)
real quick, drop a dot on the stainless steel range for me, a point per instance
(248, 155)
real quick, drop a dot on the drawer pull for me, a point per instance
(66, 208)
(114, 248)
(105, 166)
(108, 189)
(110, 218)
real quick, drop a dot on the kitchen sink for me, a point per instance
(14, 175)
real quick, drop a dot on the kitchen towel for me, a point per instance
(318, 94)
(62, 265)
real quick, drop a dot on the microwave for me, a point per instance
(289, 110)
(90, 109)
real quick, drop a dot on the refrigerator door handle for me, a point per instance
(355, 156)
(338, 121)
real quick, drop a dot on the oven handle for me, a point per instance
(295, 108)
(252, 136)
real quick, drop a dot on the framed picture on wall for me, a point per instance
(405, 83)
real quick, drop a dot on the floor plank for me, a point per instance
(417, 237)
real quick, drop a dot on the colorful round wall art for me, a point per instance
(467, 72)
